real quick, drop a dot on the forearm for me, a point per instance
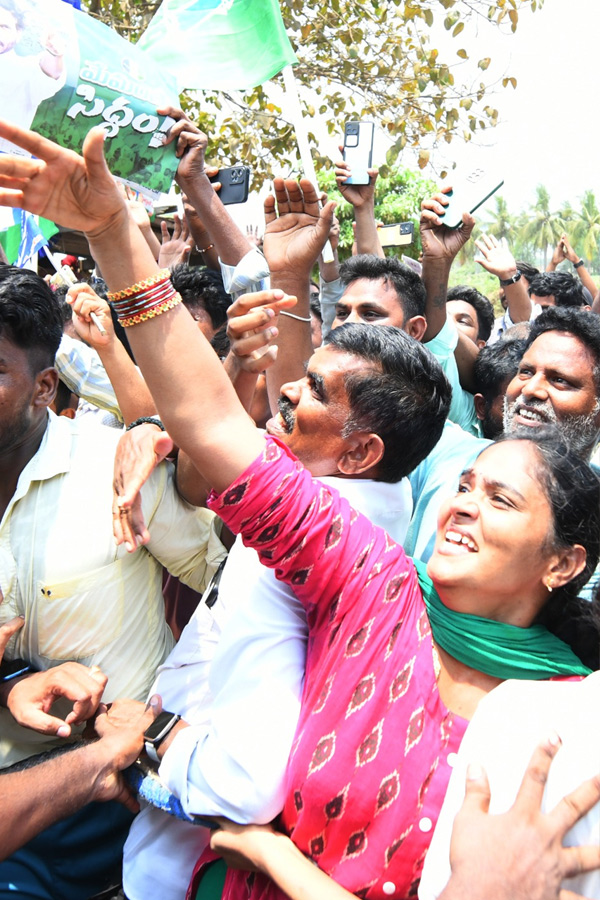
(587, 280)
(210, 425)
(294, 338)
(243, 382)
(190, 483)
(151, 239)
(517, 300)
(296, 875)
(132, 394)
(367, 237)
(330, 271)
(35, 798)
(465, 355)
(202, 239)
(230, 244)
(436, 273)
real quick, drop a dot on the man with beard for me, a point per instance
(557, 383)
(558, 380)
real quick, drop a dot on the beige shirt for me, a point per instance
(84, 598)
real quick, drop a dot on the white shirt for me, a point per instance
(243, 709)
(84, 598)
(507, 727)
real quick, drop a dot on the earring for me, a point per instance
(549, 586)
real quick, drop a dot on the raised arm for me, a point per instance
(564, 250)
(132, 395)
(79, 192)
(440, 246)
(295, 234)
(229, 242)
(495, 256)
(362, 198)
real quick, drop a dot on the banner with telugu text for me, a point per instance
(219, 45)
(66, 72)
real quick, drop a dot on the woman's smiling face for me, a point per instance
(493, 552)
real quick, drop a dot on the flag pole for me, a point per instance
(293, 100)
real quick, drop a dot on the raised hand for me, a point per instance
(84, 301)
(190, 145)
(495, 256)
(356, 194)
(78, 192)
(437, 240)
(253, 326)
(177, 247)
(296, 229)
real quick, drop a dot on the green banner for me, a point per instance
(77, 73)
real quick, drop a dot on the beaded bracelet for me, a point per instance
(151, 312)
(135, 289)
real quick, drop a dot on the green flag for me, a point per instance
(218, 44)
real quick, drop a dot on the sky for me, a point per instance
(549, 125)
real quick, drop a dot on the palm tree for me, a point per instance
(587, 226)
(542, 227)
(502, 223)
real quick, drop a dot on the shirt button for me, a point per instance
(452, 760)
(389, 887)
(425, 824)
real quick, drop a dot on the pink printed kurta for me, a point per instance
(371, 758)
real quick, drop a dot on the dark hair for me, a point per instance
(481, 305)
(408, 286)
(567, 291)
(494, 364)
(403, 396)
(203, 287)
(527, 270)
(581, 323)
(573, 491)
(30, 316)
(315, 307)
(16, 11)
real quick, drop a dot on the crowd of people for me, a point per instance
(275, 541)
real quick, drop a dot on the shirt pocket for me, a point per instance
(79, 616)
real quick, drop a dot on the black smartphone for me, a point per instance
(397, 235)
(470, 194)
(358, 150)
(235, 183)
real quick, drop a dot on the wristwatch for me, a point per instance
(513, 280)
(155, 734)
(580, 263)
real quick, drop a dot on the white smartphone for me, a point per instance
(470, 194)
(358, 150)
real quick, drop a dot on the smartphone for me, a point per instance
(468, 196)
(14, 668)
(358, 150)
(397, 235)
(235, 183)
